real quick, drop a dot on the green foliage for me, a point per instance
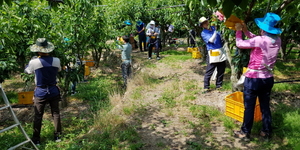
(241, 60)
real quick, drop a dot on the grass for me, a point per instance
(286, 87)
(175, 56)
(78, 131)
(137, 94)
(12, 97)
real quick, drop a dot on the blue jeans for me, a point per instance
(261, 88)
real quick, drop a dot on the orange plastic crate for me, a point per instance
(89, 63)
(235, 107)
(26, 97)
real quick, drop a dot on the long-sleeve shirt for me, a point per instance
(45, 69)
(264, 51)
(140, 28)
(151, 31)
(206, 36)
(126, 52)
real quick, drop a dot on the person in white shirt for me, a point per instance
(153, 33)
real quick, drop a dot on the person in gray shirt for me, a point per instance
(126, 50)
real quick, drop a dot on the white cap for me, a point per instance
(152, 22)
(202, 19)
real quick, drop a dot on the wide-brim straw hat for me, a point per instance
(42, 45)
(268, 22)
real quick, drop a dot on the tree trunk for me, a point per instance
(234, 74)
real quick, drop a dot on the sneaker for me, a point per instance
(219, 88)
(158, 58)
(149, 58)
(205, 91)
(265, 135)
(242, 135)
(57, 139)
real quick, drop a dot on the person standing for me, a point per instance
(152, 33)
(259, 76)
(192, 38)
(142, 35)
(158, 30)
(45, 68)
(126, 50)
(169, 33)
(216, 55)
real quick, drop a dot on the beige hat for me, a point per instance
(202, 19)
(42, 45)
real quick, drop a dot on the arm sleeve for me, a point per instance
(29, 68)
(121, 47)
(205, 37)
(245, 44)
(213, 37)
(148, 32)
(249, 34)
(59, 66)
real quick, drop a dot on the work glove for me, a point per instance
(238, 27)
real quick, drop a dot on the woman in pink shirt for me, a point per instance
(259, 77)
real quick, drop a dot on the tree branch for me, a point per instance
(248, 13)
(283, 5)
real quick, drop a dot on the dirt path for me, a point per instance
(163, 127)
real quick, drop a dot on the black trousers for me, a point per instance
(153, 43)
(210, 70)
(39, 107)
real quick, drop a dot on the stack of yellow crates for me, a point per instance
(196, 53)
(190, 49)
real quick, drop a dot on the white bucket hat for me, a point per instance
(152, 22)
(202, 19)
(42, 45)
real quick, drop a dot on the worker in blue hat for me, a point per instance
(259, 78)
(140, 26)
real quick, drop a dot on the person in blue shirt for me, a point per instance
(142, 35)
(45, 68)
(213, 41)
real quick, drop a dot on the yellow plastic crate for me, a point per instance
(25, 97)
(189, 49)
(196, 55)
(87, 70)
(244, 69)
(235, 107)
